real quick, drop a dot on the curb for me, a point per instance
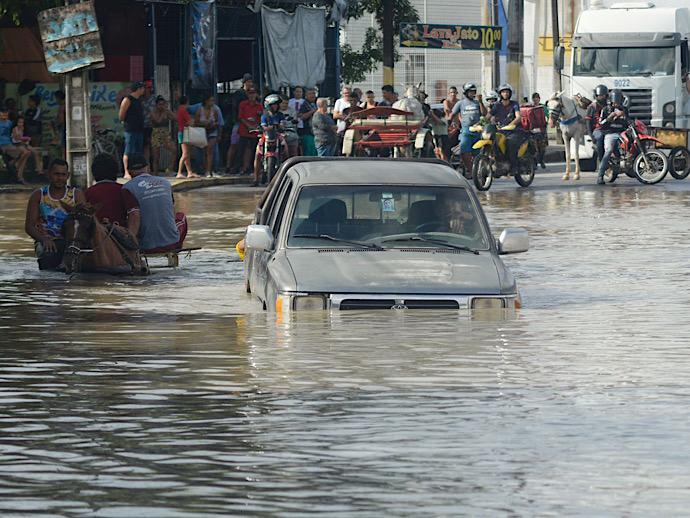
(178, 185)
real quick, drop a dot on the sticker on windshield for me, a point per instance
(388, 202)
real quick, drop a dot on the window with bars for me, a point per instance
(414, 69)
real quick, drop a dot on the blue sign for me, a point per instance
(70, 36)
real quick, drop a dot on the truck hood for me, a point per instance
(426, 271)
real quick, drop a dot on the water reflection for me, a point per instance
(176, 396)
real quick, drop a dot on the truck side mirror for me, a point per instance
(684, 60)
(558, 57)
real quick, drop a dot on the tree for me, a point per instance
(15, 9)
(357, 63)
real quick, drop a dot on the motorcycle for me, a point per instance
(636, 156)
(492, 160)
(273, 145)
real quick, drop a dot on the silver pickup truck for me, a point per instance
(346, 234)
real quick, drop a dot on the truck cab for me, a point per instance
(641, 49)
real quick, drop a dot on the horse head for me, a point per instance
(555, 102)
(78, 230)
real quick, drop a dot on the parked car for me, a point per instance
(367, 233)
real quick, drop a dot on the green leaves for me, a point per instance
(15, 8)
(356, 64)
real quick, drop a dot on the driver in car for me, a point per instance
(453, 216)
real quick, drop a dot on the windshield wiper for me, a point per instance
(440, 242)
(338, 240)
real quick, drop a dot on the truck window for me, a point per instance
(626, 62)
(684, 59)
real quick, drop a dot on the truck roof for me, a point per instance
(376, 171)
(639, 19)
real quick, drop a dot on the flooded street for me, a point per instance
(176, 396)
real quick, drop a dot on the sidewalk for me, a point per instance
(178, 184)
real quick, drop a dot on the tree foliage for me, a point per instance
(357, 63)
(14, 9)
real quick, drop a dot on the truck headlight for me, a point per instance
(309, 303)
(670, 108)
(488, 303)
(299, 302)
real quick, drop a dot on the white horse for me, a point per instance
(570, 115)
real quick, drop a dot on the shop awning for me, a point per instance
(21, 56)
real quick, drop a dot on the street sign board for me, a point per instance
(457, 37)
(71, 40)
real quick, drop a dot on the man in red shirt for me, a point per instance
(249, 114)
(109, 198)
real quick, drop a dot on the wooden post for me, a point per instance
(556, 37)
(388, 54)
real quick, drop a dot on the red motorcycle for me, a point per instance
(637, 156)
(273, 148)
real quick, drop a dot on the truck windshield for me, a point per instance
(629, 61)
(392, 216)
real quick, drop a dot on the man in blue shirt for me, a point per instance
(471, 109)
(271, 119)
(160, 228)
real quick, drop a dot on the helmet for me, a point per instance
(600, 90)
(468, 86)
(270, 100)
(506, 86)
(491, 95)
(616, 97)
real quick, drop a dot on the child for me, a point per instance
(21, 140)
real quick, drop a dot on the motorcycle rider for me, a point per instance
(613, 123)
(491, 98)
(593, 118)
(503, 113)
(272, 118)
(470, 108)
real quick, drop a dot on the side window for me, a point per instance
(684, 59)
(271, 205)
(279, 209)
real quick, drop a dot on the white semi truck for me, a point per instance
(641, 49)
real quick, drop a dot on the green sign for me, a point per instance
(457, 37)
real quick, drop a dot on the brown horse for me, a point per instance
(91, 247)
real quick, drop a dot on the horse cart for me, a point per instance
(384, 131)
(674, 141)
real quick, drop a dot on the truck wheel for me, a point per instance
(679, 163)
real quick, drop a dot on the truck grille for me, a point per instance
(640, 104)
(351, 304)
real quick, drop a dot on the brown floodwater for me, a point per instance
(176, 396)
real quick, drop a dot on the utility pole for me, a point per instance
(556, 37)
(516, 12)
(78, 126)
(388, 54)
(496, 55)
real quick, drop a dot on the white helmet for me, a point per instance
(491, 95)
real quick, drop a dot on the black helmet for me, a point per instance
(616, 97)
(468, 86)
(600, 90)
